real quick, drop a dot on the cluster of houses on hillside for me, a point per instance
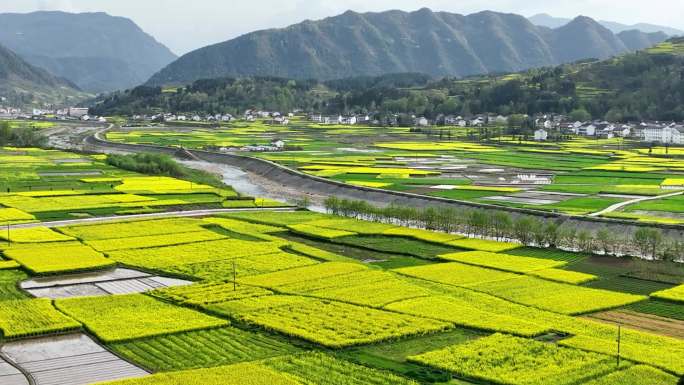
(650, 132)
(70, 113)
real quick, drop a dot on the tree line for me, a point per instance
(529, 230)
(21, 136)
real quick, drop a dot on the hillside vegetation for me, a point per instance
(22, 84)
(643, 85)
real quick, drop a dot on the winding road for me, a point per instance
(620, 205)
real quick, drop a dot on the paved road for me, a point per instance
(633, 201)
(190, 213)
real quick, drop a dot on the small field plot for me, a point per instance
(665, 309)
(512, 360)
(329, 323)
(169, 256)
(298, 369)
(246, 266)
(319, 368)
(582, 206)
(676, 294)
(369, 287)
(202, 348)
(133, 228)
(636, 375)
(9, 284)
(457, 274)
(34, 235)
(463, 312)
(209, 293)
(557, 297)
(303, 274)
(145, 241)
(505, 262)
(32, 317)
(564, 276)
(134, 316)
(644, 322)
(63, 257)
(398, 245)
(72, 359)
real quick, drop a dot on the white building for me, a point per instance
(672, 134)
(541, 135)
(588, 129)
(422, 122)
(77, 112)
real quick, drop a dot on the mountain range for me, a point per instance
(95, 51)
(435, 43)
(546, 20)
(645, 85)
(22, 84)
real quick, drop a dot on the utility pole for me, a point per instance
(9, 242)
(619, 340)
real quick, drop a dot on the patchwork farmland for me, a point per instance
(300, 297)
(612, 178)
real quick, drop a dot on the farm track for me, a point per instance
(645, 322)
(620, 205)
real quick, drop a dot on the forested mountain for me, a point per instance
(644, 85)
(546, 20)
(96, 51)
(22, 84)
(370, 44)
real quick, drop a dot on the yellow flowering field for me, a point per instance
(329, 323)
(125, 317)
(675, 294)
(35, 235)
(557, 297)
(506, 262)
(564, 276)
(33, 317)
(51, 258)
(513, 360)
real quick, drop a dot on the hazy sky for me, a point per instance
(184, 25)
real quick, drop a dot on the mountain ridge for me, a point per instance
(546, 20)
(23, 84)
(375, 43)
(96, 51)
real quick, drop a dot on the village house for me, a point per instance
(540, 135)
(586, 129)
(422, 122)
(670, 134)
